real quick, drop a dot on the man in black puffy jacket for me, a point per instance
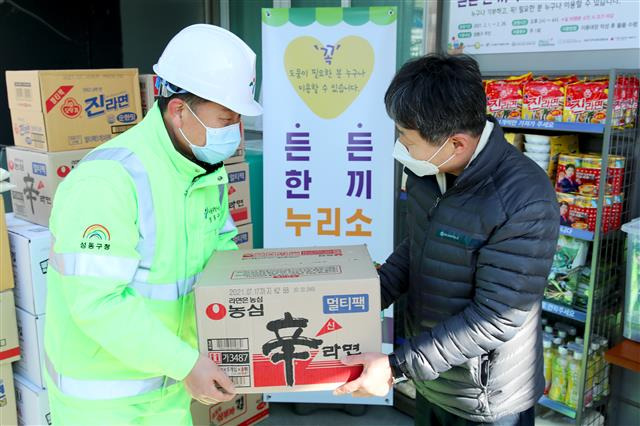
(482, 231)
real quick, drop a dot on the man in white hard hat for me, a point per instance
(133, 226)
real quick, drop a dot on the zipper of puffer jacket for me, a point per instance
(439, 199)
(484, 380)
(484, 370)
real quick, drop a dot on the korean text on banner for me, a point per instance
(328, 141)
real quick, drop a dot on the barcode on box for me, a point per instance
(286, 272)
(228, 344)
(241, 382)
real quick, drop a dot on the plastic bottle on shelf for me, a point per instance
(547, 354)
(573, 380)
(593, 363)
(557, 342)
(563, 335)
(599, 367)
(569, 329)
(574, 346)
(548, 332)
(559, 376)
(605, 368)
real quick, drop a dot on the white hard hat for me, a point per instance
(214, 64)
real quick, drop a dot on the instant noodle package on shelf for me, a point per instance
(563, 99)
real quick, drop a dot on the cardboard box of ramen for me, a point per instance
(32, 403)
(72, 109)
(239, 155)
(6, 272)
(244, 239)
(280, 320)
(36, 176)
(9, 345)
(8, 413)
(243, 410)
(239, 193)
(148, 91)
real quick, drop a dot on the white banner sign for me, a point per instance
(328, 142)
(514, 26)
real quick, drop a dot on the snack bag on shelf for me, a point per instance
(562, 288)
(631, 110)
(543, 100)
(567, 79)
(586, 102)
(504, 97)
(571, 253)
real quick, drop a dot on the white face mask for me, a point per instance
(220, 143)
(419, 167)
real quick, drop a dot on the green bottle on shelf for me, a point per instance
(547, 354)
(599, 371)
(593, 363)
(604, 345)
(573, 378)
(558, 389)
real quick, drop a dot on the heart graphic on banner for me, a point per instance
(328, 78)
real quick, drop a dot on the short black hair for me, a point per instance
(439, 96)
(570, 166)
(189, 98)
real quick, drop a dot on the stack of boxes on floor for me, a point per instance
(29, 245)
(240, 197)
(9, 348)
(57, 118)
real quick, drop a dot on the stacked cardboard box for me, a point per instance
(36, 176)
(280, 320)
(9, 348)
(240, 196)
(57, 116)
(53, 111)
(148, 91)
(243, 410)
(29, 246)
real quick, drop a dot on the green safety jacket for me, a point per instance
(133, 226)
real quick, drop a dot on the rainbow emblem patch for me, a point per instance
(97, 232)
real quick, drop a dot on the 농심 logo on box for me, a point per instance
(345, 303)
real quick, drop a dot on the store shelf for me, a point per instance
(557, 407)
(580, 234)
(564, 311)
(552, 125)
(625, 355)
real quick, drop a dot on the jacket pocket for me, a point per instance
(484, 364)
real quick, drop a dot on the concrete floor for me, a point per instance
(282, 414)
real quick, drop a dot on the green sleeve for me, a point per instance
(104, 212)
(227, 233)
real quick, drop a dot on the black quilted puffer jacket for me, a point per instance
(475, 265)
